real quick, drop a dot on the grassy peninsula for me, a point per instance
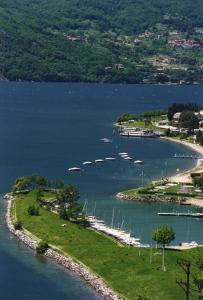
(132, 273)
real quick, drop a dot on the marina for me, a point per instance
(119, 234)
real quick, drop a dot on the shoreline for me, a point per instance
(96, 282)
(182, 177)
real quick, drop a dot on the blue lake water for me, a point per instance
(47, 128)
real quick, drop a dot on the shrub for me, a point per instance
(33, 211)
(18, 225)
(42, 247)
(63, 214)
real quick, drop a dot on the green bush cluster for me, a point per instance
(42, 247)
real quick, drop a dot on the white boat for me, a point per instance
(85, 163)
(74, 169)
(110, 158)
(106, 140)
(127, 158)
(123, 153)
(138, 162)
(99, 160)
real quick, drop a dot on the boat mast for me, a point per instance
(112, 219)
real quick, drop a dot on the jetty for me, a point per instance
(179, 214)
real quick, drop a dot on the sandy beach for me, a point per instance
(184, 177)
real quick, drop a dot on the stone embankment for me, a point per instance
(93, 280)
(152, 198)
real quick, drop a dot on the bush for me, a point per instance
(18, 225)
(63, 214)
(42, 247)
(33, 211)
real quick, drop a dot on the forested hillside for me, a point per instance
(134, 41)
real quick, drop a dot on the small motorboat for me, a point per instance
(110, 158)
(74, 169)
(87, 163)
(127, 158)
(106, 140)
(99, 161)
(123, 153)
(138, 162)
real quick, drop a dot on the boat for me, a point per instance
(99, 160)
(138, 162)
(74, 169)
(86, 163)
(110, 158)
(127, 158)
(123, 153)
(106, 140)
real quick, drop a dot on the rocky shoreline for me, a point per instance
(93, 280)
(147, 198)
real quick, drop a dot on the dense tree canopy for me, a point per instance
(180, 107)
(103, 40)
(188, 120)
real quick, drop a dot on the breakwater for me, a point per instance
(66, 261)
(151, 198)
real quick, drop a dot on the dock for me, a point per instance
(184, 156)
(178, 214)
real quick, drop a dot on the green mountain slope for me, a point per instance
(103, 40)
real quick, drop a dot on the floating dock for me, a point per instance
(178, 214)
(184, 156)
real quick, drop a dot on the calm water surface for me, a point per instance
(46, 128)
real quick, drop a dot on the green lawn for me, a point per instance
(168, 190)
(121, 267)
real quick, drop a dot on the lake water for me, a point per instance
(47, 128)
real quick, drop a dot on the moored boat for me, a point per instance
(74, 169)
(85, 163)
(99, 160)
(138, 162)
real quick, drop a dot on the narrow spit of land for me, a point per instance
(130, 272)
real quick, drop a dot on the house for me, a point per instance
(176, 117)
(183, 43)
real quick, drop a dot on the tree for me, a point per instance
(198, 181)
(198, 278)
(68, 195)
(42, 247)
(18, 225)
(33, 211)
(163, 235)
(188, 120)
(21, 184)
(180, 107)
